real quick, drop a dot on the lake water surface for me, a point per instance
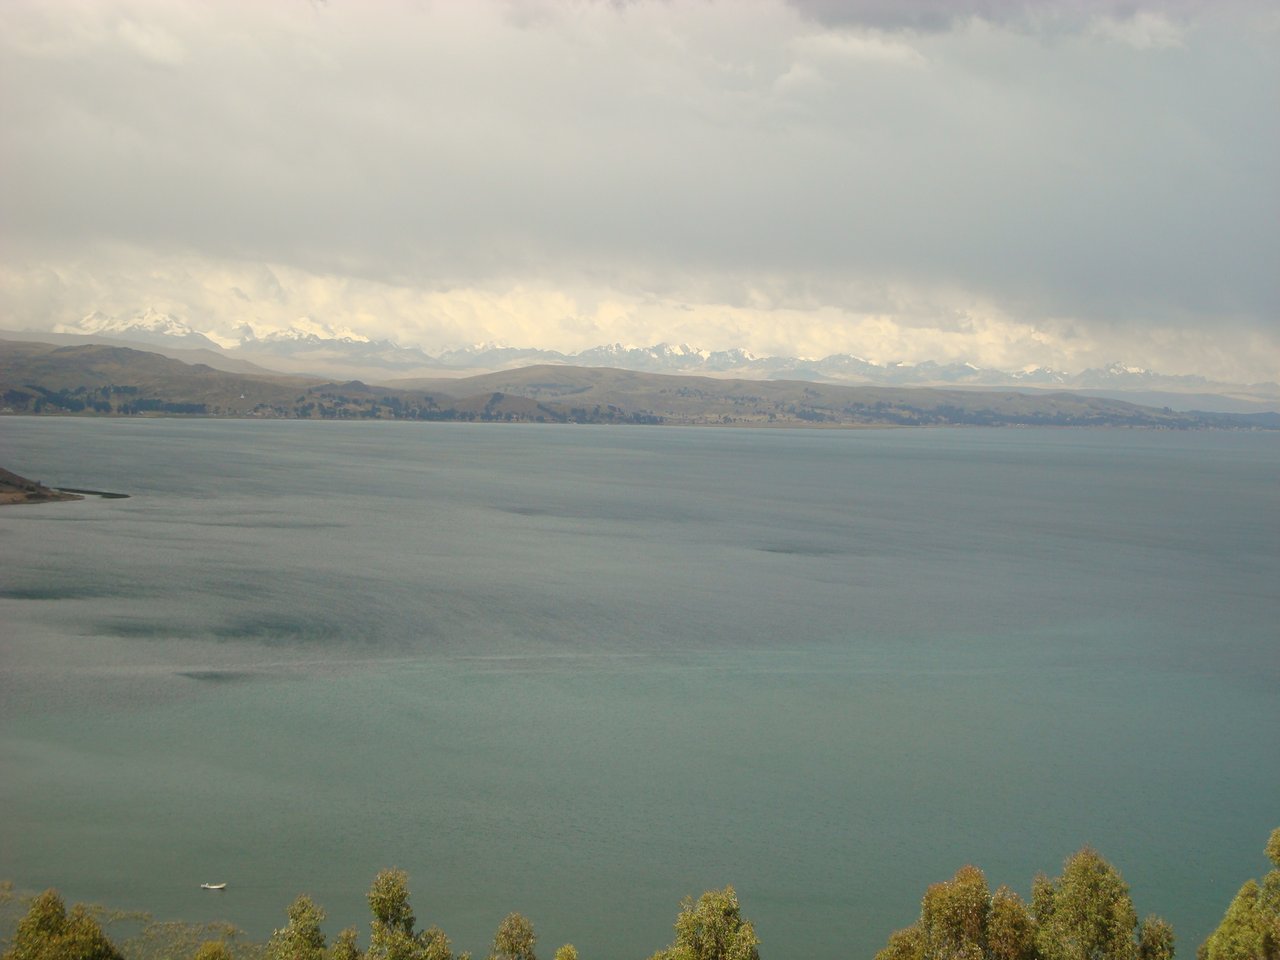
(580, 672)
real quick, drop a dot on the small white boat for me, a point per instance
(213, 886)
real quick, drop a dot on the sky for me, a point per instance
(1011, 184)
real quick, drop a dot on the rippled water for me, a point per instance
(581, 672)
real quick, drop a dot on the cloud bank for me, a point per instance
(1009, 184)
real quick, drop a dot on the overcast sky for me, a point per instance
(1005, 183)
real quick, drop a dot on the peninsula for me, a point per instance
(16, 489)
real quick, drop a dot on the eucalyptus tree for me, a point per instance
(392, 936)
(1250, 929)
(345, 945)
(960, 919)
(49, 932)
(301, 938)
(1087, 914)
(514, 939)
(712, 929)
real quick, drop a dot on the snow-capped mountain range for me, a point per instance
(150, 326)
(315, 348)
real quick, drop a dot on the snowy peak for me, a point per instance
(149, 326)
(1128, 376)
(495, 356)
(303, 330)
(315, 347)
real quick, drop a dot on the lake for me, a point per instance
(580, 672)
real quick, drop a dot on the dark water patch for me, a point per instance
(136, 628)
(218, 676)
(271, 629)
(249, 522)
(52, 592)
(801, 550)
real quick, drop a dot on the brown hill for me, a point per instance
(690, 399)
(111, 380)
(16, 489)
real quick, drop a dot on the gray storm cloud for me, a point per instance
(1072, 180)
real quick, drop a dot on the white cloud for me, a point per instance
(915, 183)
(891, 323)
(859, 47)
(1143, 30)
(152, 42)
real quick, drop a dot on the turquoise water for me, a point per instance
(581, 672)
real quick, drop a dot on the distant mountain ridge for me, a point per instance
(151, 326)
(98, 380)
(315, 349)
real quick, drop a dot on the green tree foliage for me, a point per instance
(904, 944)
(1011, 933)
(434, 945)
(1087, 914)
(960, 919)
(389, 902)
(212, 950)
(953, 917)
(49, 932)
(392, 936)
(567, 952)
(514, 939)
(1155, 940)
(1250, 930)
(712, 929)
(345, 946)
(302, 938)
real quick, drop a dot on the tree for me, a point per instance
(567, 952)
(712, 929)
(392, 936)
(514, 939)
(345, 946)
(953, 917)
(1250, 929)
(212, 950)
(434, 945)
(904, 944)
(49, 932)
(302, 938)
(1155, 940)
(389, 901)
(1087, 914)
(960, 919)
(1011, 933)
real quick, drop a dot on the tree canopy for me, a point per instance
(1250, 929)
(712, 929)
(301, 938)
(1086, 913)
(514, 939)
(50, 932)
